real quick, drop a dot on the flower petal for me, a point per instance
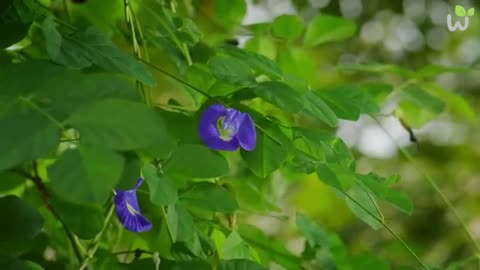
(209, 133)
(247, 135)
(128, 211)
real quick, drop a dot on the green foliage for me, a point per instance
(87, 174)
(326, 28)
(89, 103)
(287, 27)
(24, 221)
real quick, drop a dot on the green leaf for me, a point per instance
(336, 176)
(65, 52)
(455, 102)
(269, 249)
(86, 175)
(349, 101)
(234, 247)
(92, 46)
(161, 187)
(269, 155)
(314, 234)
(288, 27)
(180, 222)
(397, 198)
(229, 13)
(231, 70)
(280, 95)
(10, 180)
(257, 62)
(318, 109)
(196, 161)
(418, 106)
(366, 262)
(326, 28)
(14, 21)
(240, 264)
(62, 90)
(119, 124)
(20, 220)
(460, 11)
(250, 196)
(12, 263)
(364, 206)
(423, 99)
(84, 220)
(35, 137)
(219, 199)
(471, 12)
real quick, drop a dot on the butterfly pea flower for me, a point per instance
(227, 129)
(128, 211)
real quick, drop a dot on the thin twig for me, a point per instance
(96, 242)
(435, 187)
(385, 225)
(45, 197)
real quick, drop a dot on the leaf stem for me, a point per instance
(41, 111)
(169, 229)
(96, 242)
(45, 197)
(436, 188)
(385, 225)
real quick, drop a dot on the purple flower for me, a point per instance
(226, 129)
(128, 211)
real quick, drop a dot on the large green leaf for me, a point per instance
(349, 101)
(318, 109)
(219, 199)
(364, 206)
(84, 220)
(271, 250)
(270, 153)
(314, 234)
(90, 46)
(196, 161)
(229, 13)
(418, 106)
(288, 26)
(12, 263)
(240, 264)
(336, 175)
(26, 136)
(16, 16)
(161, 187)
(234, 247)
(456, 104)
(366, 262)
(87, 174)
(61, 50)
(231, 70)
(326, 28)
(397, 198)
(280, 95)
(119, 124)
(180, 222)
(257, 62)
(61, 89)
(19, 220)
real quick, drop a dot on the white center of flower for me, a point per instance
(131, 209)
